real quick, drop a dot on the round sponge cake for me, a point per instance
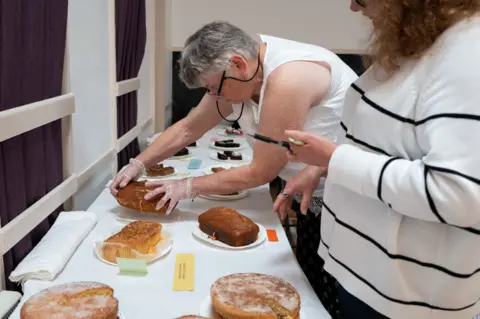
(254, 296)
(72, 301)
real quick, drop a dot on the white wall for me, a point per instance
(89, 81)
(168, 61)
(328, 23)
(91, 35)
(144, 94)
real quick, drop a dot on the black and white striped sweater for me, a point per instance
(401, 220)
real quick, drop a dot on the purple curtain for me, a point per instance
(131, 38)
(32, 48)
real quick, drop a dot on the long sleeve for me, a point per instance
(444, 184)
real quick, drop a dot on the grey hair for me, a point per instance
(209, 49)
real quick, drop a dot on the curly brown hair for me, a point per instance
(406, 29)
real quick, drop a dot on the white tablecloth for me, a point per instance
(152, 296)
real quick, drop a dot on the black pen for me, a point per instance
(270, 140)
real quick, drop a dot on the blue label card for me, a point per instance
(195, 163)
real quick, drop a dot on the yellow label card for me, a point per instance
(184, 277)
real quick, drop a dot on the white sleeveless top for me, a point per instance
(322, 119)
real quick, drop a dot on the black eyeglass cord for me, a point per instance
(259, 65)
(230, 121)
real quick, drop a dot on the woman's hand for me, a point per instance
(133, 171)
(304, 183)
(174, 190)
(317, 149)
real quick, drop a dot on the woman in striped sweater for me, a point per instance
(400, 225)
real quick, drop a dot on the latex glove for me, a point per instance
(317, 149)
(174, 190)
(304, 183)
(134, 170)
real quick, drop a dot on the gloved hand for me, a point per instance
(134, 170)
(174, 190)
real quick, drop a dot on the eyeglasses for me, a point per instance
(223, 78)
(220, 85)
(361, 3)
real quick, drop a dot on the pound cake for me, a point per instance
(228, 226)
(160, 170)
(133, 196)
(91, 300)
(138, 235)
(254, 296)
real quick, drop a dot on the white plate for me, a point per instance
(233, 149)
(181, 157)
(240, 195)
(223, 133)
(245, 159)
(206, 310)
(129, 215)
(163, 248)
(146, 177)
(208, 170)
(262, 236)
(176, 175)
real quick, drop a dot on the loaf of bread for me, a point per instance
(138, 235)
(133, 196)
(160, 170)
(71, 301)
(254, 296)
(228, 226)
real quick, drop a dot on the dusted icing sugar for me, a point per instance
(73, 300)
(74, 287)
(249, 293)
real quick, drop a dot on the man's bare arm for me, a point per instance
(186, 131)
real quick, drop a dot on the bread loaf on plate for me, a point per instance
(140, 236)
(133, 196)
(228, 226)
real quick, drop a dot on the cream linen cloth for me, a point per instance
(52, 253)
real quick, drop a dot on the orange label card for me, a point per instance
(272, 235)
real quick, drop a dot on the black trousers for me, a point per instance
(338, 302)
(308, 241)
(351, 307)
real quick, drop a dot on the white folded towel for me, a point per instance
(52, 253)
